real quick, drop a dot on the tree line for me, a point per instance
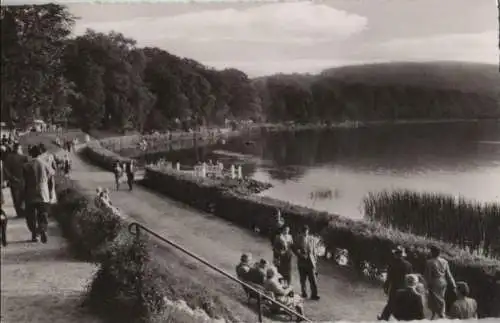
(105, 81)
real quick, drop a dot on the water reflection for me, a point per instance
(459, 158)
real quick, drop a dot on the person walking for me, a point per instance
(283, 254)
(407, 304)
(464, 307)
(305, 249)
(396, 273)
(39, 184)
(438, 276)
(130, 170)
(13, 170)
(118, 172)
(275, 226)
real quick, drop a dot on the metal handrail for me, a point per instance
(135, 228)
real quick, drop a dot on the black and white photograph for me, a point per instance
(250, 161)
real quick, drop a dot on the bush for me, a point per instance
(129, 285)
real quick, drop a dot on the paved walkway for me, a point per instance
(41, 282)
(343, 296)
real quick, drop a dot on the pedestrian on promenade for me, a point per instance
(39, 188)
(283, 253)
(118, 172)
(438, 276)
(305, 249)
(396, 273)
(13, 170)
(130, 170)
(275, 227)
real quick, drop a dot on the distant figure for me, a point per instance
(67, 165)
(305, 249)
(276, 225)
(396, 273)
(464, 307)
(97, 198)
(118, 172)
(130, 170)
(283, 253)
(438, 276)
(39, 187)
(13, 170)
(257, 273)
(407, 304)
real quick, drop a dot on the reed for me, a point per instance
(467, 224)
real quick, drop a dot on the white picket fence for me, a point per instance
(205, 170)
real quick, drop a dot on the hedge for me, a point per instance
(129, 286)
(364, 241)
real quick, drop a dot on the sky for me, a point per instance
(263, 38)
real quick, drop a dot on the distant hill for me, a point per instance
(397, 90)
(461, 76)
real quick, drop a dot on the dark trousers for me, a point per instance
(3, 223)
(285, 267)
(387, 311)
(130, 180)
(37, 217)
(308, 273)
(18, 199)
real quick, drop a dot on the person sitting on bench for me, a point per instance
(284, 295)
(257, 273)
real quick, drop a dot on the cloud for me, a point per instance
(474, 47)
(298, 22)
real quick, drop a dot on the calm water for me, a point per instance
(459, 159)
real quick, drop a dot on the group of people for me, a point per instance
(124, 169)
(410, 293)
(32, 185)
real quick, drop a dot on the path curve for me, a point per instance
(343, 296)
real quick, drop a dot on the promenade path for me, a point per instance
(343, 295)
(41, 282)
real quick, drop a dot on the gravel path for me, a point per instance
(343, 296)
(41, 282)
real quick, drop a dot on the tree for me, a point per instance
(33, 41)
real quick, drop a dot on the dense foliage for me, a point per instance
(466, 224)
(106, 81)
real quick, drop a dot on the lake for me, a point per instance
(461, 159)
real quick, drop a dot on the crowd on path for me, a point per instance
(32, 184)
(409, 293)
(125, 171)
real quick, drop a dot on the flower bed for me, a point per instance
(129, 285)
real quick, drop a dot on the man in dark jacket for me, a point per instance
(14, 163)
(396, 274)
(408, 304)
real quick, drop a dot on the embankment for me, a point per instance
(364, 241)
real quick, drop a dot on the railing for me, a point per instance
(136, 228)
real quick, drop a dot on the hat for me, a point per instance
(411, 280)
(400, 251)
(263, 262)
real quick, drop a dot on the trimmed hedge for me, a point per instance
(364, 241)
(129, 285)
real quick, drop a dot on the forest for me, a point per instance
(106, 81)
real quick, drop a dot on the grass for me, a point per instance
(469, 225)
